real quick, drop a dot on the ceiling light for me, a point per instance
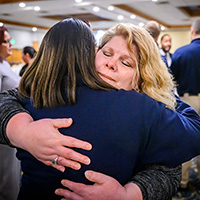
(34, 29)
(133, 16)
(162, 28)
(120, 17)
(22, 5)
(36, 8)
(141, 24)
(78, 1)
(1, 24)
(154, 0)
(96, 9)
(111, 8)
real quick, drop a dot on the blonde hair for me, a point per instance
(152, 76)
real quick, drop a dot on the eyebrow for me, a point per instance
(124, 56)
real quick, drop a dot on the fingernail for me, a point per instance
(69, 120)
(88, 173)
(77, 166)
(56, 191)
(89, 146)
(62, 169)
(87, 161)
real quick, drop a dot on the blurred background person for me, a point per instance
(28, 53)
(165, 46)
(154, 29)
(186, 70)
(10, 166)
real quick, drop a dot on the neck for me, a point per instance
(196, 37)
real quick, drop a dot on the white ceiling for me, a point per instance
(167, 12)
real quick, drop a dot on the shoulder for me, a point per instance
(131, 101)
(181, 49)
(181, 52)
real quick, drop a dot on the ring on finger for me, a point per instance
(55, 160)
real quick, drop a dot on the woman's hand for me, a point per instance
(104, 188)
(43, 140)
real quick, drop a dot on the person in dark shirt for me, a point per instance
(28, 53)
(186, 71)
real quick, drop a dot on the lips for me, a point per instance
(106, 76)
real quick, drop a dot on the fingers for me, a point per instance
(96, 177)
(72, 156)
(68, 163)
(63, 162)
(70, 141)
(62, 123)
(75, 187)
(73, 142)
(67, 194)
(58, 166)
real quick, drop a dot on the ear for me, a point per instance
(192, 31)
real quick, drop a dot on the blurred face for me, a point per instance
(5, 47)
(25, 57)
(166, 43)
(114, 64)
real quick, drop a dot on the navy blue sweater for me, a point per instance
(127, 130)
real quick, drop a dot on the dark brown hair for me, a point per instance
(67, 52)
(2, 30)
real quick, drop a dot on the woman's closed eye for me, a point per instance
(127, 64)
(106, 53)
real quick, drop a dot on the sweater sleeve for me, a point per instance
(158, 182)
(9, 106)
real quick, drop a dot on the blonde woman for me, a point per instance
(132, 121)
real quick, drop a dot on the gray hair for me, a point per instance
(153, 28)
(196, 26)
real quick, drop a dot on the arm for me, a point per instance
(9, 106)
(158, 182)
(0, 80)
(154, 182)
(104, 188)
(19, 129)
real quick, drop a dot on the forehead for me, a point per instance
(6, 35)
(166, 37)
(113, 41)
(119, 43)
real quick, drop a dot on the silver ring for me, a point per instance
(55, 160)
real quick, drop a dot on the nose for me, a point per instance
(111, 64)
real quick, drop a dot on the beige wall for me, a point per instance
(179, 38)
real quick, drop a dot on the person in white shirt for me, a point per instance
(10, 166)
(166, 44)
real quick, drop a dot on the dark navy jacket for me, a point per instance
(186, 68)
(127, 130)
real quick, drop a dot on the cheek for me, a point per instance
(131, 78)
(98, 62)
